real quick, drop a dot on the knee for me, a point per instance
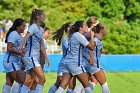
(42, 80)
(28, 82)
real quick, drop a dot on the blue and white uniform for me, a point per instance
(32, 55)
(12, 62)
(73, 60)
(64, 49)
(97, 53)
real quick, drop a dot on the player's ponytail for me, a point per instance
(60, 32)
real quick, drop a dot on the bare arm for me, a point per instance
(92, 43)
(24, 40)
(85, 57)
(43, 50)
(91, 57)
(11, 49)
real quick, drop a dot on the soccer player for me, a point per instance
(91, 22)
(96, 69)
(73, 62)
(62, 34)
(35, 43)
(12, 59)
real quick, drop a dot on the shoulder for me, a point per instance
(77, 34)
(14, 34)
(33, 26)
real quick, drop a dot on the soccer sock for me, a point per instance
(6, 88)
(39, 88)
(32, 91)
(24, 89)
(59, 90)
(88, 90)
(16, 88)
(69, 90)
(52, 89)
(78, 88)
(105, 88)
(92, 85)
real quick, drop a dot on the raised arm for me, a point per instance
(92, 43)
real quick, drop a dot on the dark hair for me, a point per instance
(35, 13)
(16, 24)
(46, 28)
(42, 25)
(98, 28)
(60, 32)
(76, 27)
(91, 21)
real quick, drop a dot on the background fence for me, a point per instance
(108, 62)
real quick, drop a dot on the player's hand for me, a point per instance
(19, 48)
(105, 52)
(91, 62)
(48, 63)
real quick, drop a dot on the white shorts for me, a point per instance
(30, 63)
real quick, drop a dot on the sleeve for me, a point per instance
(82, 40)
(12, 37)
(45, 44)
(65, 42)
(96, 41)
(32, 29)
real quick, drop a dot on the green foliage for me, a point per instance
(122, 18)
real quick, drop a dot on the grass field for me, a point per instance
(119, 82)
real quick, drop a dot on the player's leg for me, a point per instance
(8, 84)
(41, 77)
(84, 79)
(100, 77)
(65, 81)
(72, 84)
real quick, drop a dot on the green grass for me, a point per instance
(119, 82)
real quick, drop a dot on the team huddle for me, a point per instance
(25, 56)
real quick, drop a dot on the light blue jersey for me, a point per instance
(32, 55)
(74, 54)
(33, 43)
(97, 53)
(12, 60)
(64, 49)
